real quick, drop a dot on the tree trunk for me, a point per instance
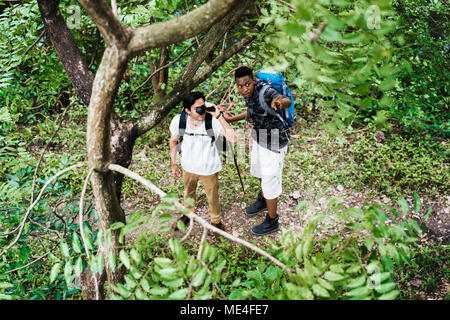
(109, 139)
(66, 48)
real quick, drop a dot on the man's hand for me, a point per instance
(216, 112)
(277, 103)
(280, 103)
(175, 170)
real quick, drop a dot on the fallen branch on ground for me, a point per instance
(22, 224)
(198, 219)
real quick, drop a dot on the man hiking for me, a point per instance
(270, 136)
(200, 159)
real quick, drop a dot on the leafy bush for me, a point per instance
(422, 98)
(398, 164)
(358, 264)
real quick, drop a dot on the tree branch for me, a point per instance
(179, 29)
(109, 25)
(67, 49)
(22, 224)
(188, 79)
(196, 218)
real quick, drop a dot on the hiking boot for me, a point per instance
(185, 220)
(258, 206)
(268, 226)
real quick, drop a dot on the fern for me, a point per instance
(9, 193)
(5, 116)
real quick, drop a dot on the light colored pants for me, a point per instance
(211, 185)
(267, 166)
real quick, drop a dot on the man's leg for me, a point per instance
(271, 206)
(211, 185)
(271, 188)
(190, 188)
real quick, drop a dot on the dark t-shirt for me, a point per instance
(266, 127)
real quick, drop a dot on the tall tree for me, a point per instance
(111, 139)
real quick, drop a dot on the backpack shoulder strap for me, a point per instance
(181, 129)
(208, 127)
(182, 124)
(266, 107)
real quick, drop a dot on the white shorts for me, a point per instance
(268, 166)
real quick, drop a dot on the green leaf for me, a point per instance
(376, 279)
(357, 282)
(157, 291)
(163, 262)
(140, 294)
(100, 262)
(145, 284)
(414, 224)
(385, 287)
(373, 267)
(387, 84)
(332, 276)
(123, 256)
(199, 276)
(336, 268)
(165, 217)
(174, 283)
(403, 205)
(360, 292)
(293, 29)
(135, 255)
(4, 285)
(320, 291)
(76, 245)
(389, 296)
(387, 263)
(307, 246)
(78, 267)
(181, 226)
(112, 261)
(55, 271)
(64, 249)
(117, 225)
(179, 294)
(130, 282)
(124, 292)
(330, 34)
(325, 284)
(368, 242)
(353, 268)
(68, 270)
(171, 198)
(299, 251)
(417, 203)
(168, 273)
(427, 214)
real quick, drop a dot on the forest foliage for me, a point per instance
(367, 65)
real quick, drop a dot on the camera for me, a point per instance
(201, 110)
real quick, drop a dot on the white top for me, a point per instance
(198, 155)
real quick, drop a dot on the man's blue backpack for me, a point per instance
(276, 80)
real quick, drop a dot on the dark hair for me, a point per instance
(190, 99)
(242, 72)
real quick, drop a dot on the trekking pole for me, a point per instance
(239, 173)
